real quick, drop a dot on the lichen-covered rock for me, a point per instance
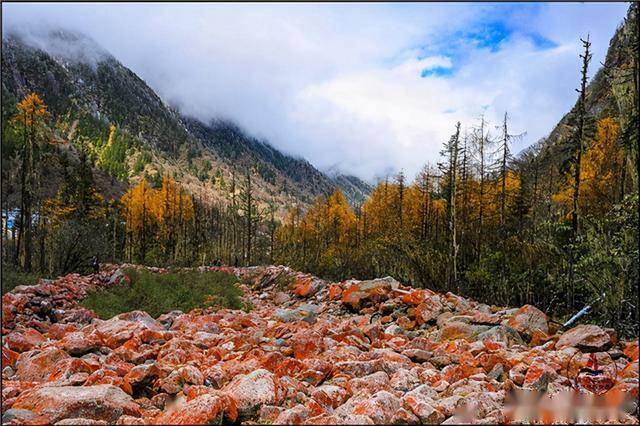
(101, 402)
(588, 338)
(529, 319)
(253, 390)
(37, 365)
(210, 408)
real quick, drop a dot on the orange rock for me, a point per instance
(102, 402)
(78, 343)
(484, 318)
(252, 391)
(315, 408)
(330, 396)
(9, 357)
(140, 376)
(25, 341)
(415, 297)
(108, 377)
(455, 330)
(428, 310)
(293, 416)
(539, 375)
(597, 384)
(490, 360)
(174, 382)
(630, 371)
(631, 350)
(406, 323)
(7, 314)
(37, 366)
(380, 407)
(423, 407)
(539, 337)
(302, 287)
(368, 384)
(306, 344)
(65, 368)
(335, 291)
(586, 337)
(58, 330)
(529, 319)
(352, 296)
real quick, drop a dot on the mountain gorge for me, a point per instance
(91, 95)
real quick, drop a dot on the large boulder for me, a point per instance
(37, 366)
(100, 402)
(528, 319)
(210, 408)
(117, 330)
(502, 334)
(22, 342)
(420, 402)
(360, 293)
(586, 337)
(253, 390)
(79, 343)
(379, 407)
(428, 310)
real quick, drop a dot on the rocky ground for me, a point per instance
(309, 351)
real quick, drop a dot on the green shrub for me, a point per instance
(160, 293)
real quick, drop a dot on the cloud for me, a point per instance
(364, 88)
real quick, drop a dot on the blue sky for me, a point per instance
(365, 88)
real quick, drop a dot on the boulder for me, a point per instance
(253, 390)
(100, 402)
(79, 343)
(22, 342)
(380, 407)
(37, 366)
(528, 319)
(330, 396)
(83, 421)
(17, 415)
(293, 416)
(360, 293)
(586, 337)
(210, 408)
(119, 329)
(502, 334)
(428, 310)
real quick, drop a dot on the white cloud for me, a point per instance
(341, 84)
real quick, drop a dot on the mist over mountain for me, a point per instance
(85, 86)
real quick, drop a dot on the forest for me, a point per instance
(555, 226)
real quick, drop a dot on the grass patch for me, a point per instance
(157, 294)
(11, 278)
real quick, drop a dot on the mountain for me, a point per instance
(355, 189)
(609, 94)
(87, 90)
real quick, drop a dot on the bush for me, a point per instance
(160, 293)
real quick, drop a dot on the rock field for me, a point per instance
(309, 352)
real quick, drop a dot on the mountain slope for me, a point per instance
(609, 93)
(87, 90)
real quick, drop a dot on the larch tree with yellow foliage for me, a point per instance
(31, 116)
